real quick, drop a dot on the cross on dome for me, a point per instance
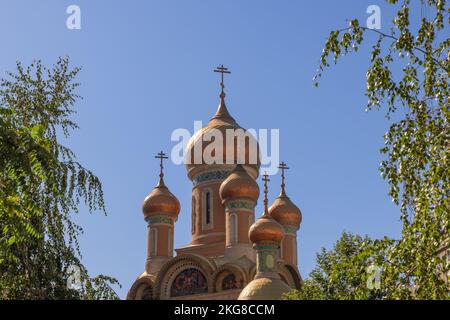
(283, 166)
(161, 156)
(266, 191)
(221, 69)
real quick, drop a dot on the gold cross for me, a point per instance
(222, 70)
(266, 191)
(283, 166)
(161, 156)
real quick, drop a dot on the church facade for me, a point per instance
(230, 256)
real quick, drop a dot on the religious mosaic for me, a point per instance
(229, 282)
(189, 281)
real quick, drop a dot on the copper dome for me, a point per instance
(220, 122)
(239, 184)
(266, 229)
(285, 211)
(160, 201)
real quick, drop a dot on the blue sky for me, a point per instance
(147, 70)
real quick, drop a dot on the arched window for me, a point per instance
(207, 214)
(208, 207)
(193, 215)
(189, 281)
(153, 237)
(233, 228)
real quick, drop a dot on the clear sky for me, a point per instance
(147, 70)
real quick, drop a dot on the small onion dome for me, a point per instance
(230, 147)
(264, 289)
(161, 201)
(266, 229)
(285, 211)
(239, 184)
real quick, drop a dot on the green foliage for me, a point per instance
(41, 186)
(409, 77)
(343, 273)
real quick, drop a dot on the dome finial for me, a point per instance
(266, 201)
(161, 156)
(222, 112)
(222, 70)
(283, 166)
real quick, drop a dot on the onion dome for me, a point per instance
(239, 184)
(228, 148)
(267, 284)
(283, 209)
(161, 200)
(264, 289)
(266, 228)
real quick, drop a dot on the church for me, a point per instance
(231, 256)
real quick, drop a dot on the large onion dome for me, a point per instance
(229, 148)
(239, 184)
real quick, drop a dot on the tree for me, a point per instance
(409, 77)
(349, 271)
(41, 186)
